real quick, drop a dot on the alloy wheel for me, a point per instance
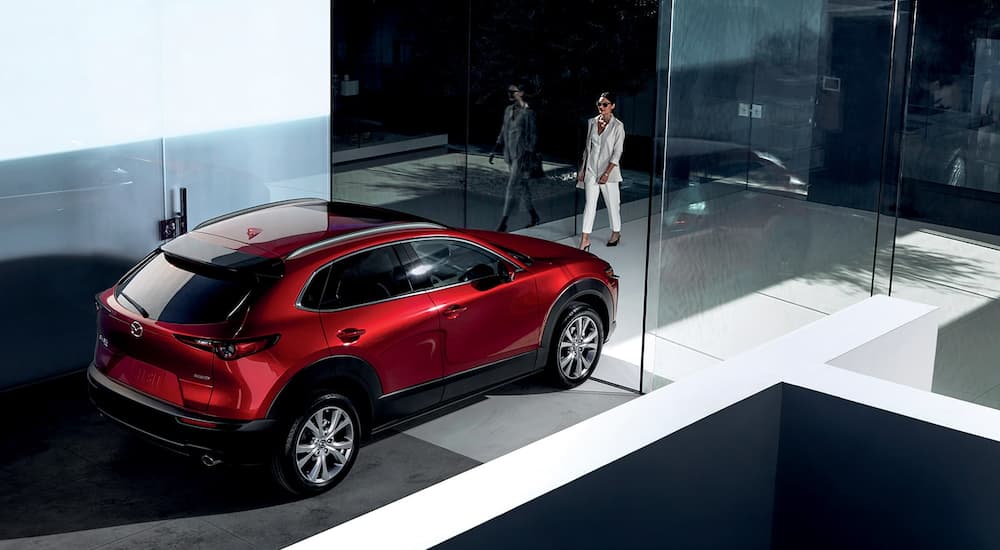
(578, 347)
(324, 445)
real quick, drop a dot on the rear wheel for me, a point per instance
(319, 447)
(576, 346)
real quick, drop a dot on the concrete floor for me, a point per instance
(74, 480)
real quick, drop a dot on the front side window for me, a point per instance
(440, 262)
(362, 278)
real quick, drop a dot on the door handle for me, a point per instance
(350, 335)
(452, 312)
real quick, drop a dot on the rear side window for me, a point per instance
(166, 292)
(362, 278)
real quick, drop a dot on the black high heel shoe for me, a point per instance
(616, 241)
(535, 218)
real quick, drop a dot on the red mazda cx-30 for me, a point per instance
(284, 334)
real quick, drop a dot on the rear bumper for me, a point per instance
(238, 442)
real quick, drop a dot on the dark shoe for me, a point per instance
(534, 218)
(503, 224)
(615, 242)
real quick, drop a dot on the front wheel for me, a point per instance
(319, 447)
(577, 346)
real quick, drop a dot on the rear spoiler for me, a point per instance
(189, 250)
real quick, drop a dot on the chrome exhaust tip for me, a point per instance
(209, 460)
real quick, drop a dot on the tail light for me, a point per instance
(228, 350)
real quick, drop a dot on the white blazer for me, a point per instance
(609, 150)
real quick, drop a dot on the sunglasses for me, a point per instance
(603, 104)
(512, 92)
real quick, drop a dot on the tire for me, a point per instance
(576, 346)
(308, 463)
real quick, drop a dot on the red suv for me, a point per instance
(285, 334)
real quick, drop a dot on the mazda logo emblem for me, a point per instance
(136, 329)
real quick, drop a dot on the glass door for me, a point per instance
(773, 152)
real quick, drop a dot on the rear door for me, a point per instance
(369, 310)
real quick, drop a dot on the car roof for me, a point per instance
(290, 228)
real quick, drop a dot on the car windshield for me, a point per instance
(163, 291)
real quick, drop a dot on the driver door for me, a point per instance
(486, 317)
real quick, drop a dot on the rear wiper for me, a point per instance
(142, 311)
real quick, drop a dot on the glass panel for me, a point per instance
(566, 54)
(581, 53)
(774, 142)
(246, 118)
(947, 246)
(400, 101)
(416, 118)
(80, 171)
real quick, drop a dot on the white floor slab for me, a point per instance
(967, 362)
(824, 296)
(950, 262)
(515, 416)
(672, 361)
(738, 325)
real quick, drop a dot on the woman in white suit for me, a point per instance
(599, 172)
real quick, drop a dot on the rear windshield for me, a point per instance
(166, 292)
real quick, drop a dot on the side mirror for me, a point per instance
(505, 272)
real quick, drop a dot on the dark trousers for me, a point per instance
(517, 187)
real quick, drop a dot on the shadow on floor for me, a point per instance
(64, 468)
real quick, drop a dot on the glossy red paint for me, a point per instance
(409, 340)
(402, 337)
(486, 325)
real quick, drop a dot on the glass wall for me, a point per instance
(245, 90)
(110, 105)
(419, 107)
(775, 126)
(418, 110)
(818, 152)
(400, 94)
(947, 241)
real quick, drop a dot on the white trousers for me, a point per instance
(612, 201)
